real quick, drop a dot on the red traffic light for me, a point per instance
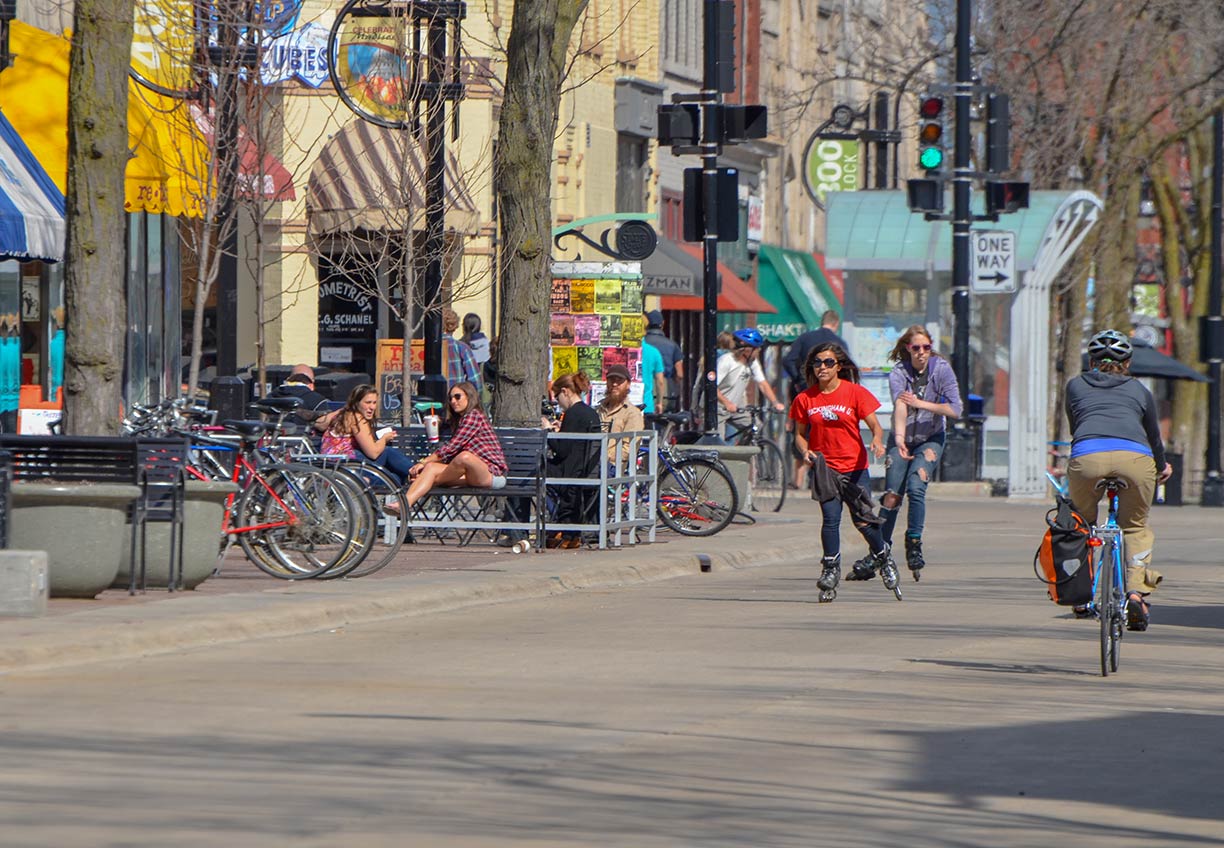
(930, 107)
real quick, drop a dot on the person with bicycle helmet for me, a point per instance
(735, 372)
(1115, 433)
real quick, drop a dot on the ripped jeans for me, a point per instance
(910, 477)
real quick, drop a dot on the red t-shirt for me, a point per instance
(833, 421)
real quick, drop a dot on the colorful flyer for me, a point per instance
(608, 297)
(582, 296)
(565, 361)
(561, 330)
(610, 330)
(559, 299)
(586, 330)
(634, 362)
(631, 297)
(633, 327)
(590, 361)
(614, 356)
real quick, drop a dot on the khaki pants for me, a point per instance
(1134, 503)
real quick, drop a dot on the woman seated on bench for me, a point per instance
(472, 457)
(351, 434)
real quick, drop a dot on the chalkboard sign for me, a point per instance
(390, 375)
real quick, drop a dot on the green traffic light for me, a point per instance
(930, 158)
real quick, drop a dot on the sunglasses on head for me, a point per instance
(825, 363)
(919, 348)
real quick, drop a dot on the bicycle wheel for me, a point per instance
(365, 525)
(1118, 612)
(1105, 605)
(697, 497)
(312, 520)
(767, 478)
(388, 506)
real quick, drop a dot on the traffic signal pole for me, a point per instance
(962, 214)
(710, 94)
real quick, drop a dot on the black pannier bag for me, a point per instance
(1064, 562)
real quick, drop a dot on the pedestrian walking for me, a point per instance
(827, 415)
(673, 361)
(925, 395)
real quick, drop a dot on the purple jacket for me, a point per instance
(922, 424)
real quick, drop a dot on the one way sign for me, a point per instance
(992, 259)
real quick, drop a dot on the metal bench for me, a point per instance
(466, 514)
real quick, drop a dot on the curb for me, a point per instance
(189, 623)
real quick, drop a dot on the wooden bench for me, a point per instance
(467, 514)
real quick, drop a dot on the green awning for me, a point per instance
(875, 230)
(792, 281)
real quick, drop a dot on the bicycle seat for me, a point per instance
(277, 405)
(672, 417)
(249, 430)
(1114, 483)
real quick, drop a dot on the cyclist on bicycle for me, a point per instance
(1115, 433)
(735, 372)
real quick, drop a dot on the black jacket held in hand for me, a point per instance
(1113, 406)
(828, 485)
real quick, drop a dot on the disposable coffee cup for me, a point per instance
(521, 547)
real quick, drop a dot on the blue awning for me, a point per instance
(31, 206)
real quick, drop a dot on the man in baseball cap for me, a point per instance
(616, 413)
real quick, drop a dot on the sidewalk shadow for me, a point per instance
(1007, 668)
(1154, 762)
(1182, 616)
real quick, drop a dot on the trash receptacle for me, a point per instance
(1169, 492)
(962, 450)
(228, 395)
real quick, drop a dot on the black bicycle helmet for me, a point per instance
(1111, 345)
(749, 337)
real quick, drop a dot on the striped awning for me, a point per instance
(31, 207)
(369, 177)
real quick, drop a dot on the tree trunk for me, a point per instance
(95, 266)
(535, 64)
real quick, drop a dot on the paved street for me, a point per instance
(727, 708)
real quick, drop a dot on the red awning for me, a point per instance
(735, 295)
(835, 279)
(258, 176)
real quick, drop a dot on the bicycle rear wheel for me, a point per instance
(1106, 607)
(1118, 607)
(697, 497)
(385, 499)
(313, 520)
(767, 478)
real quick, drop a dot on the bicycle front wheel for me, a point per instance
(697, 497)
(303, 521)
(767, 479)
(384, 497)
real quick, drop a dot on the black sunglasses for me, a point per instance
(826, 363)
(919, 348)
(458, 396)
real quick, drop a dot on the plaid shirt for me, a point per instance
(461, 363)
(475, 434)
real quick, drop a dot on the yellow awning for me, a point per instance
(169, 164)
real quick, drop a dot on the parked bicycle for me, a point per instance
(767, 477)
(696, 493)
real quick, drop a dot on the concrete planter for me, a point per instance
(736, 458)
(203, 506)
(81, 526)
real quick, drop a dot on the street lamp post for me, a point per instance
(1211, 331)
(429, 77)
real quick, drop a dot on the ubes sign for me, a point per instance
(830, 165)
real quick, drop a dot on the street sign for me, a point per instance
(993, 261)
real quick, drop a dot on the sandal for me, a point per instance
(1138, 612)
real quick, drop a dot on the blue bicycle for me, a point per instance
(1108, 576)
